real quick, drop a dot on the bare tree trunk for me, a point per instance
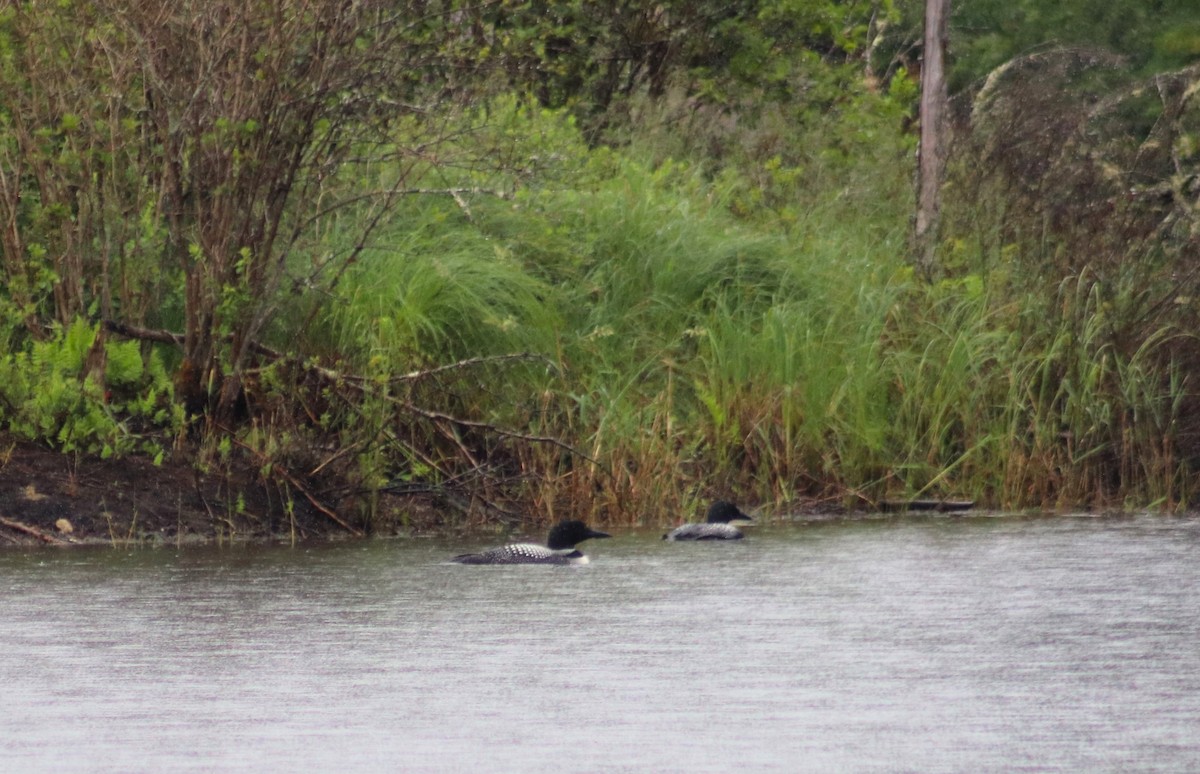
(932, 153)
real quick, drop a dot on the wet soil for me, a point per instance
(47, 497)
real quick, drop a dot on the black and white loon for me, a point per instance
(559, 549)
(715, 527)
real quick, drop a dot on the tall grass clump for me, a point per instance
(797, 402)
(705, 354)
(429, 290)
(1094, 411)
(674, 349)
(693, 352)
(1060, 210)
(1023, 400)
(642, 261)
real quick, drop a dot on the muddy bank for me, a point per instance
(50, 498)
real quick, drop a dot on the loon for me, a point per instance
(716, 527)
(559, 548)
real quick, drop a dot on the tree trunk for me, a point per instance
(932, 152)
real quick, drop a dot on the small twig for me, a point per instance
(200, 494)
(452, 436)
(342, 452)
(462, 205)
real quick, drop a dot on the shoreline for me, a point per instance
(52, 499)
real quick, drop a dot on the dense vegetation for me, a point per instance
(604, 259)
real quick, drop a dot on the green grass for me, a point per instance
(698, 352)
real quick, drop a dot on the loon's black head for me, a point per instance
(566, 534)
(723, 512)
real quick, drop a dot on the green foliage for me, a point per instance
(1154, 35)
(691, 216)
(597, 58)
(48, 394)
(430, 291)
(707, 341)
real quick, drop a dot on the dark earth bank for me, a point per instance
(51, 498)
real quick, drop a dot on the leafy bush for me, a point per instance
(108, 400)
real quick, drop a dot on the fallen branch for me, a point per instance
(33, 531)
(941, 506)
(170, 337)
(438, 415)
(372, 195)
(362, 382)
(471, 361)
(295, 482)
(144, 334)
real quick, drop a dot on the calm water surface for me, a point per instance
(950, 645)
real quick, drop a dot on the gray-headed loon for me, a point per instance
(559, 549)
(715, 527)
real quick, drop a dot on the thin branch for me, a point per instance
(438, 415)
(170, 337)
(469, 362)
(388, 195)
(295, 482)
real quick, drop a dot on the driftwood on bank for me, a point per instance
(941, 506)
(32, 531)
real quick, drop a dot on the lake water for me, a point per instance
(945, 645)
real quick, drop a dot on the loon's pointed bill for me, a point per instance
(717, 525)
(559, 549)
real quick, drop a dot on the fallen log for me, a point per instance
(940, 506)
(32, 531)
